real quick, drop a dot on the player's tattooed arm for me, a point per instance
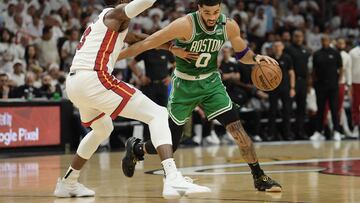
(243, 140)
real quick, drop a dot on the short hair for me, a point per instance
(47, 29)
(209, 2)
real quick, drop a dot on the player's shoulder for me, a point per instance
(232, 28)
(184, 20)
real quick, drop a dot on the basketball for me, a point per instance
(266, 77)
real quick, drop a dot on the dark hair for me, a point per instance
(10, 34)
(209, 2)
(26, 55)
(47, 29)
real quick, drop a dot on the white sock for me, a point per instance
(169, 167)
(71, 175)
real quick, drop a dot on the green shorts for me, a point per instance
(209, 94)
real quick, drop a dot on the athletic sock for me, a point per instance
(255, 169)
(71, 176)
(169, 166)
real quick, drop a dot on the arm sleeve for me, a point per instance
(136, 7)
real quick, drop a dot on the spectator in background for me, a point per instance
(54, 72)
(31, 57)
(9, 14)
(355, 89)
(47, 88)
(4, 86)
(270, 14)
(327, 69)
(47, 48)
(156, 16)
(344, 81)
(18, 75)
(266, 48)
(295, 20)
(35, 28)
(286, 38)
(284, 92)
(8, 48)
(300, 56)
(68, 49)
(313, 38)
(243, 16)
(348, 12)
(257, 28)
(28, 90)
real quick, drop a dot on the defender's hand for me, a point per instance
(181, 53)
(268, 59)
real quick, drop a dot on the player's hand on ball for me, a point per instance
(268, 59)
(182, 53)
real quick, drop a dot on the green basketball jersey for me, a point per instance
(206, 43)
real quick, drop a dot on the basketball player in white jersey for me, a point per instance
(100, 98)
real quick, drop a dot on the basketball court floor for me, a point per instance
(309, 172)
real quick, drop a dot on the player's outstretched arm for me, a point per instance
(242, 51)
(118, 18)
(132, 38)
(174, 30)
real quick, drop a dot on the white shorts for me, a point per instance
(98, 93)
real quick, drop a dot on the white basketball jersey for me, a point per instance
(99, 47)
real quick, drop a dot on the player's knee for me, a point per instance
(103, 127)
(163, 113)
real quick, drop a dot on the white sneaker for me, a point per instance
(197, 139)
(257, 138)
(337, 136)
(177, 186)
(64, 189)
(212, 139)
(355, 133)
(317, 136)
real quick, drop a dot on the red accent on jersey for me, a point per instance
(83, 38)
(88, 124)
(107, 80)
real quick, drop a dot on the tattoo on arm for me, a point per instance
(243, 140)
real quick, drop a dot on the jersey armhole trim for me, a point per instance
(193, 32)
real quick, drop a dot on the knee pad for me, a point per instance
(103, 126)
(159, 128)
(101, 130)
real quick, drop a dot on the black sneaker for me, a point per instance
(265, 183)
(130, 158)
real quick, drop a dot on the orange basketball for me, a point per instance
(266, 77)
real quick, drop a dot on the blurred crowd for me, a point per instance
(315, 42)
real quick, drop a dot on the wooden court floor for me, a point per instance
(320, 172)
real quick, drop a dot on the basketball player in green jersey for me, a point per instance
(197, 82)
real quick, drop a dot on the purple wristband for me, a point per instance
(239, 55)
